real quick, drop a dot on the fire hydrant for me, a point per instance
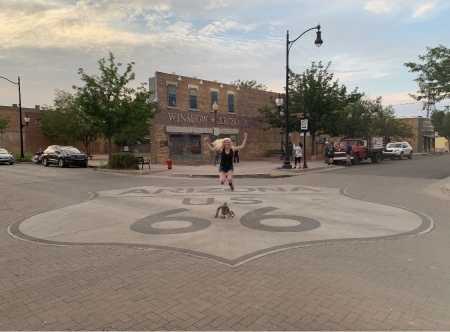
(169, 163)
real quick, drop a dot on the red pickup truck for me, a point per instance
(361, 150)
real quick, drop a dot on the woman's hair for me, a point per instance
(218, 143)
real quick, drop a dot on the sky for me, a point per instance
(366, 42)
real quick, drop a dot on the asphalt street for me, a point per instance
(323, 248)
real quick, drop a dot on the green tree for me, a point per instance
(441, 123)
(68, 122)
(108, 100)
(4, 122)
(434, 74)
(320, 99)
(136, 129)
(249, 84)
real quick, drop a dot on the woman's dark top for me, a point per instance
(226, 161)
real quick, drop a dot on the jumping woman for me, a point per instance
(226, 148)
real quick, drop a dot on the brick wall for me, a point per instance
(180, 119)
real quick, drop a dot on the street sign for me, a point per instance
(300, 115)
(216, 131)
(304, 125)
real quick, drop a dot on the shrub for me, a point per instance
(123, 161)
(27, 156)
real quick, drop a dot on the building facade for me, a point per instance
(424, 139)
(186, 117)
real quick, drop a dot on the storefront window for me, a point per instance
(184, 144)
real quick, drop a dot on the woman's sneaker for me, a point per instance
(231, 186)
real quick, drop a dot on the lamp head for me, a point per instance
(279, 101)
(27, 119)
(215, 106)
(319, 40)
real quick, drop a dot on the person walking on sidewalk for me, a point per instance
(298, 155)
(226, 148)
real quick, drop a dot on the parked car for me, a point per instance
(64, 156)
(398, 150)
(6, 157)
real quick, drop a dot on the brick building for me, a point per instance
(186, 117)
(424, 139)
(33, 137)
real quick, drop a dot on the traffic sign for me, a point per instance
(304, 125)
(216, 131)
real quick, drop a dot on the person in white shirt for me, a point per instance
(298, 154)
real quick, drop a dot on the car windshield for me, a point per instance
(344, 143)
(70, 150)
(394, 145)
(3, 151)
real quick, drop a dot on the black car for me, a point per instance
(64, 156)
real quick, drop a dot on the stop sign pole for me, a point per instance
(304, 127)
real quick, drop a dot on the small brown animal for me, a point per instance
(225, 211)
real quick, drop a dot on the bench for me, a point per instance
(274, 152)
(142, 162)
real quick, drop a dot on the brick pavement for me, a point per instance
(397, 284)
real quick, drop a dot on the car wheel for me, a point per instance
(61, 163)
(85, 165)
(400, 157)
(45, 161)
(355, 160)
(12, 163)
(410, 155)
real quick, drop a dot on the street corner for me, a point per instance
(265, 219)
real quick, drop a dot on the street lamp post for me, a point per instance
(318, 42)
(20, 115)
(279, 103)
(421, 83)
(215, 108)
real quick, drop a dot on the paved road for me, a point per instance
(327, 248)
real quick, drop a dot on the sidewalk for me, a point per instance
(266, 167)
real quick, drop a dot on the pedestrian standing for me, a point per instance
(325, 152)
(330, 153)
(298, 149)
(225, 147)
(236, 157)
(348, 154)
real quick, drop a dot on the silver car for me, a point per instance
(6, 157)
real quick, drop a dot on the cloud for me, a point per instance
(382, 6)
(417, 8)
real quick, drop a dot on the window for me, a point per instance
(37, 122)
(171, 95)
(193, 99)
(214, 97)
(231, 103)
(184, 144)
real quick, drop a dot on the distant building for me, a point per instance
(186, 117)
(424, 139)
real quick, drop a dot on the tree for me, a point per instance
(368, 118)
(434, 74)
(441, 123)
(136, 129)
(108, 100)
(4, 122)
(249, 84)
(67, 121)
(320, 99)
